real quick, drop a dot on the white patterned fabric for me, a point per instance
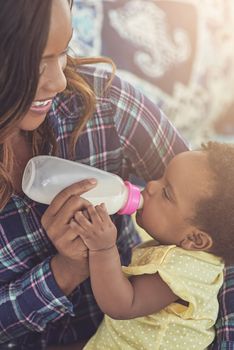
(179, 53)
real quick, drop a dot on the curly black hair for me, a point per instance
(215, 214)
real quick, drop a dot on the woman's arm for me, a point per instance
(147, 137)
(116, 295)
(224, 326)
(39, 296)
(30, 302)
(70, 265)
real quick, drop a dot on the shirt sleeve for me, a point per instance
(147, 137)
(225, 323)
(195, 277)
(30, 302)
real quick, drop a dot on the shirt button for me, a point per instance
(11, 345)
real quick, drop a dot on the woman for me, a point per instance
(52, 104)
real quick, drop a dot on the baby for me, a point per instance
(167, 297)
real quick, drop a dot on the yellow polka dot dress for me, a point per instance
(195, 277)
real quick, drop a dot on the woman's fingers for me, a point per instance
(64, 215)
(77, 189)
(72, 205)
(67, 202)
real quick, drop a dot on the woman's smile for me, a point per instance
(41, 107)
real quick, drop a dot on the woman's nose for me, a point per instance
(54, 79)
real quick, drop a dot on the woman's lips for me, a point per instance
(41, 107)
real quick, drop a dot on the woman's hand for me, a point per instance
(70, 265)
(58, 216)
(98, 232)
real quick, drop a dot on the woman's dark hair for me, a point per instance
(24, 29)
(215, 215)
(24, 26)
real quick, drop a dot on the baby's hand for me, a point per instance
(98, 232)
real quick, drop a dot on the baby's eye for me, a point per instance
(165, 193)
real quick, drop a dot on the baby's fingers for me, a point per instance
(95, 218)
(82, 220)
(102, 213)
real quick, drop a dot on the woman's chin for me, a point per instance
(31, 121)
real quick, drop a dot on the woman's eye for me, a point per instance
(62, 59)
(42, 68)
(165, 193)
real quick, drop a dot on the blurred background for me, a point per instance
(179, 53)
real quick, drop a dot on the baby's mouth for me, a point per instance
(139, 213)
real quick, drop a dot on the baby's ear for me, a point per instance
(197, 240)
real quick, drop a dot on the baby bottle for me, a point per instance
(45, 176)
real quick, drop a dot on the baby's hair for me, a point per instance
(215, 214)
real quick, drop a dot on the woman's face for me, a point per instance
(52, 79)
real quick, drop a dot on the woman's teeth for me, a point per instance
(40, 103)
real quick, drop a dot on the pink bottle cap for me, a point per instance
(134, 196)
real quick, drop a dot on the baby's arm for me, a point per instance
(117, 296)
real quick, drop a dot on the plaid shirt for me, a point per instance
(225, 322)
(126, 135)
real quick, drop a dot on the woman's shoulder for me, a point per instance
(97, 77)
(106, 84)
(100, 81)
(109, 89)
(113, 97)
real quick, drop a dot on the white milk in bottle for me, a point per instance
(45, 176)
